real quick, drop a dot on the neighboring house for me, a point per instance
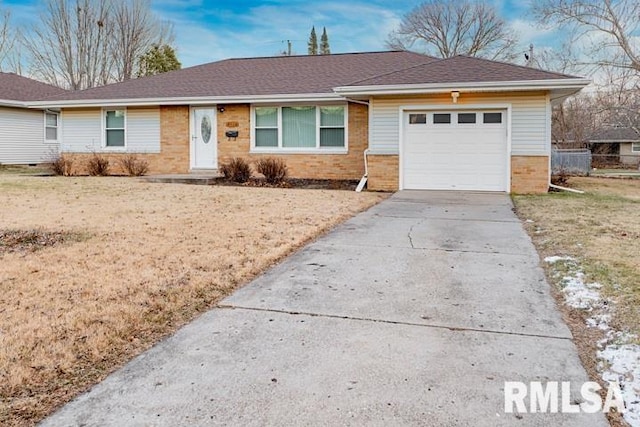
(424, 123)
(27, 136)
(621, 141)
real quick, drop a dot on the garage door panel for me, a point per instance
(455, 156)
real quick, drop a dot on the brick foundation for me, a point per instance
(529, 174)
(383, 172)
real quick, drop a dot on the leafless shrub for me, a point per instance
(237, 170)
(560, 178)
(134, 166)
(98, 165)
(274, 170)
(60, 164)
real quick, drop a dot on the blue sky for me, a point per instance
(211, 30)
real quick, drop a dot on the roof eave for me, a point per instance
(12, 103)
(203, 100)
(428, 88)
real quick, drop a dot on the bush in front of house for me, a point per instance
(98, 165)
(236, 170)
(60, 164)
(274, 170)
(134, 166)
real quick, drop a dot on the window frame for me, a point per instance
(318, 149)
(105, 110)
(635, 147)
(57, 127)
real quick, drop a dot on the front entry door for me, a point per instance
(204, 147)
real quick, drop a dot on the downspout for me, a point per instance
(558, 187)
(363, 180)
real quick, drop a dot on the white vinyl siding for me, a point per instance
(82, 130)
(529, 121)
(143, 130)
(22, 137)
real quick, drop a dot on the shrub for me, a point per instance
(237, 170)
(274, 169)
(60, 164)
(133, 166)
(98, 165)
(561, 178)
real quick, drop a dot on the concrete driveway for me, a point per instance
(413, 313)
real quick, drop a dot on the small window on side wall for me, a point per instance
(441, 118)
(114, 128)
(51, 127)
(417, 119)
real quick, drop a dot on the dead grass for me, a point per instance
(602, 230)
(31, 240)
(153, 257)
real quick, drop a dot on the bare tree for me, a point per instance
(7, 42)
(86, 43)
(446, 28)
(137, 30)
(607, 27)
(71, 46)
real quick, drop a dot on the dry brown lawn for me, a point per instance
(144, 259)
(602, 229)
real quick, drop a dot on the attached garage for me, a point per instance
(455, 150)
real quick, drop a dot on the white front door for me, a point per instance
(204, 146)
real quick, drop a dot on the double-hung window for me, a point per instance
(51, 127)
(114, 128)
(635, 147)
(300, 127)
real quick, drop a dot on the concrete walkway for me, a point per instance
(413, 313)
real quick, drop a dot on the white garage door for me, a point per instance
(455, 150)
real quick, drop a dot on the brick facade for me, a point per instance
(529, 174)
(383, 172)
(174, 147)
(313, 166)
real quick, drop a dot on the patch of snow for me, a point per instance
(600, 321)
(619, 358)
(554, 259)
(622, 364)
(579, 294)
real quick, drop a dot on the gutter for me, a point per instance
(526, 85)
(13, 103)
(201, 100)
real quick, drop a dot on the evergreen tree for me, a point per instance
(313, 42)
(158, 59)
(324, 43)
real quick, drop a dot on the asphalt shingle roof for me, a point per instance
(17, 88)
(308, 74)
(257, 76)
(460, 69)
(614, 134)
